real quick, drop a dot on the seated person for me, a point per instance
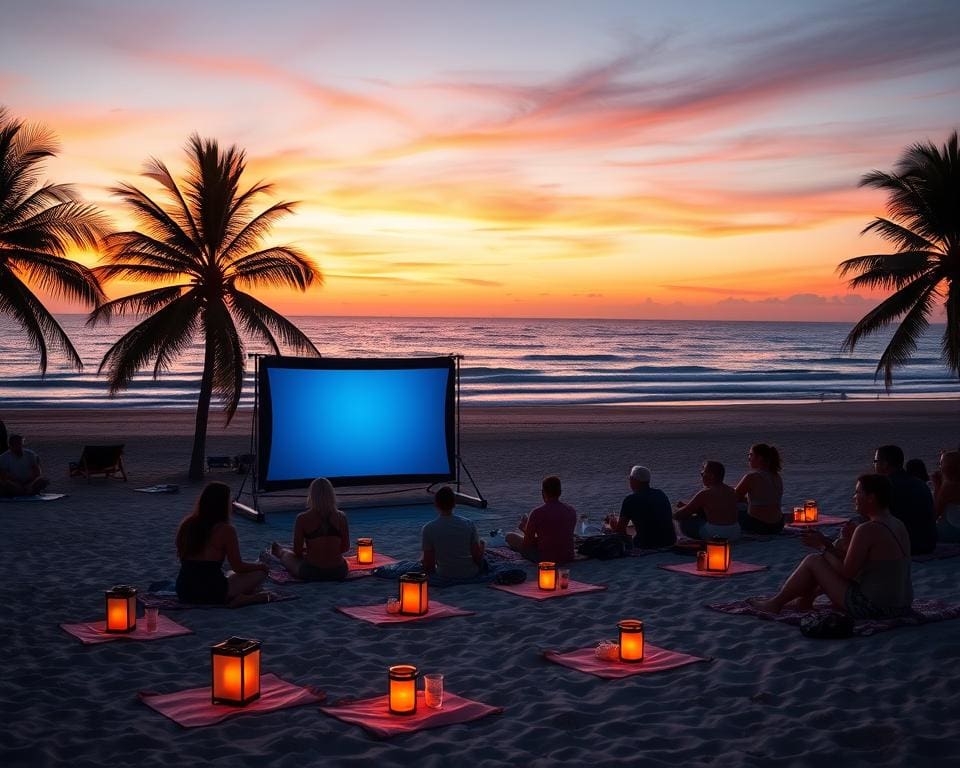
(712, 512)
(912, 501)
(20, 473)
(762, 487)
(205, 537)
(649, 511)
(872, 581)
(946, 505)
(320, 537)
(548, 531)
(451, 546)
(918, 469)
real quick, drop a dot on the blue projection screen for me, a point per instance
(355, 421)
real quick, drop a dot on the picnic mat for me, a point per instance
(373, 715)
(166, 488)
(734, 569)
(530, 589)
(378, 560)
(35, 497)
(822, 520)
(924, 612)
(943, 550)
(279, 574)
(377, 614)
(654, 660)
(95, 632)
(192, 708)
(163, 595)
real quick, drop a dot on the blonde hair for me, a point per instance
(322, 499)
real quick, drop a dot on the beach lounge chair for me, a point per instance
(106, 460)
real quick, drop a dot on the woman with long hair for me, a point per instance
(320, 537)
(204, 539)
(762, 488)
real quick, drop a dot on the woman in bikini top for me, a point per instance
(762, 487)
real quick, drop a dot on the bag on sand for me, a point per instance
(608, 546)
(829, 626)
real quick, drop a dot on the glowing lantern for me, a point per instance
(121, 609)
(403, 689)
(235, 665)
(799, 515)
(364, 551)
(414, 600)
(810, 511)
(631, 640)
(718, 555)
(548, 576)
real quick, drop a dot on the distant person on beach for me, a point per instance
(912, 501)
(712, 512)
(20, 472)
(946, 504)
(762, 488)
(547, 533)
(649, 511)
(451, 545)
(205, 537)
(320, 537)
(872, 580)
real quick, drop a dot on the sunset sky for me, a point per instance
(574, 159)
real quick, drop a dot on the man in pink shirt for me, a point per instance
(548, 532)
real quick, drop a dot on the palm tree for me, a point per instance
(924, 227)
(206, 241)
(38, 224)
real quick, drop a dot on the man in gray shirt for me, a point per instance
(451, 547)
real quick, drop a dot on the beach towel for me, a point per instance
(279, 574)
(735, 569)
(531, 590)
(378, 561)
(167, 488)
(35, 497)
(505, 571)
(924, 612)
(377, 614)
(654, 660)
(95, 632)
(163, 595)
(943, 550)
(373, 715)
(192, 708)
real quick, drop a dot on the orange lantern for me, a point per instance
(799, 515)
(548, 576)
(121, 609)
(414, 600)
(235, 665)
(718, 555)
(810, 511)
(402, 698)
(364, 551)
(631, 640)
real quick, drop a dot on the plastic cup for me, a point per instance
(152, 615)
(393, 605)
(564, 578)
(433, 690)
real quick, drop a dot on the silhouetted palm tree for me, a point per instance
(207, 242)
(38, 224)
(924, 227)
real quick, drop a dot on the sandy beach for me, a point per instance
(769, 697)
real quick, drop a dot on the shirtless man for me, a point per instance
(712, 512)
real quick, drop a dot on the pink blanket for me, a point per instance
(654, 660)
(530, 589)
(192, 708)
(377, 614)
(733, 570)
(95, 632)
(378, 560)
(924, 612)
(373, 714)
(822, 520)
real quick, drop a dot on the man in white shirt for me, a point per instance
(20, 473)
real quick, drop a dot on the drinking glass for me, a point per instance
(152, 615)
(433, 690)
(564, 578)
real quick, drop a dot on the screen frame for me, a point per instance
(264, 420)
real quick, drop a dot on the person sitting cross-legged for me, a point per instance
(452, 549)
(712, 512)
(320, 537)
(20, 472)
(872, 580)
(649, 511)
(548, 532)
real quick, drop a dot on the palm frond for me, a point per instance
(254, 231)
(903, 238)
(143, 249)
(277, 267)
(157, 170)
(56, 274)
(903, 343)
(228, 358)
(141, 303)
(160, 225)
(255, 315)
(888, 310)
(29, 203)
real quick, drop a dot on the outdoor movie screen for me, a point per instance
(356, 421)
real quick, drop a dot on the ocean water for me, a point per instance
(530, 362)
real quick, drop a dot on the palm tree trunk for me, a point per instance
(203, 414)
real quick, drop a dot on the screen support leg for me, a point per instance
(245, 510)
(463, 498)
